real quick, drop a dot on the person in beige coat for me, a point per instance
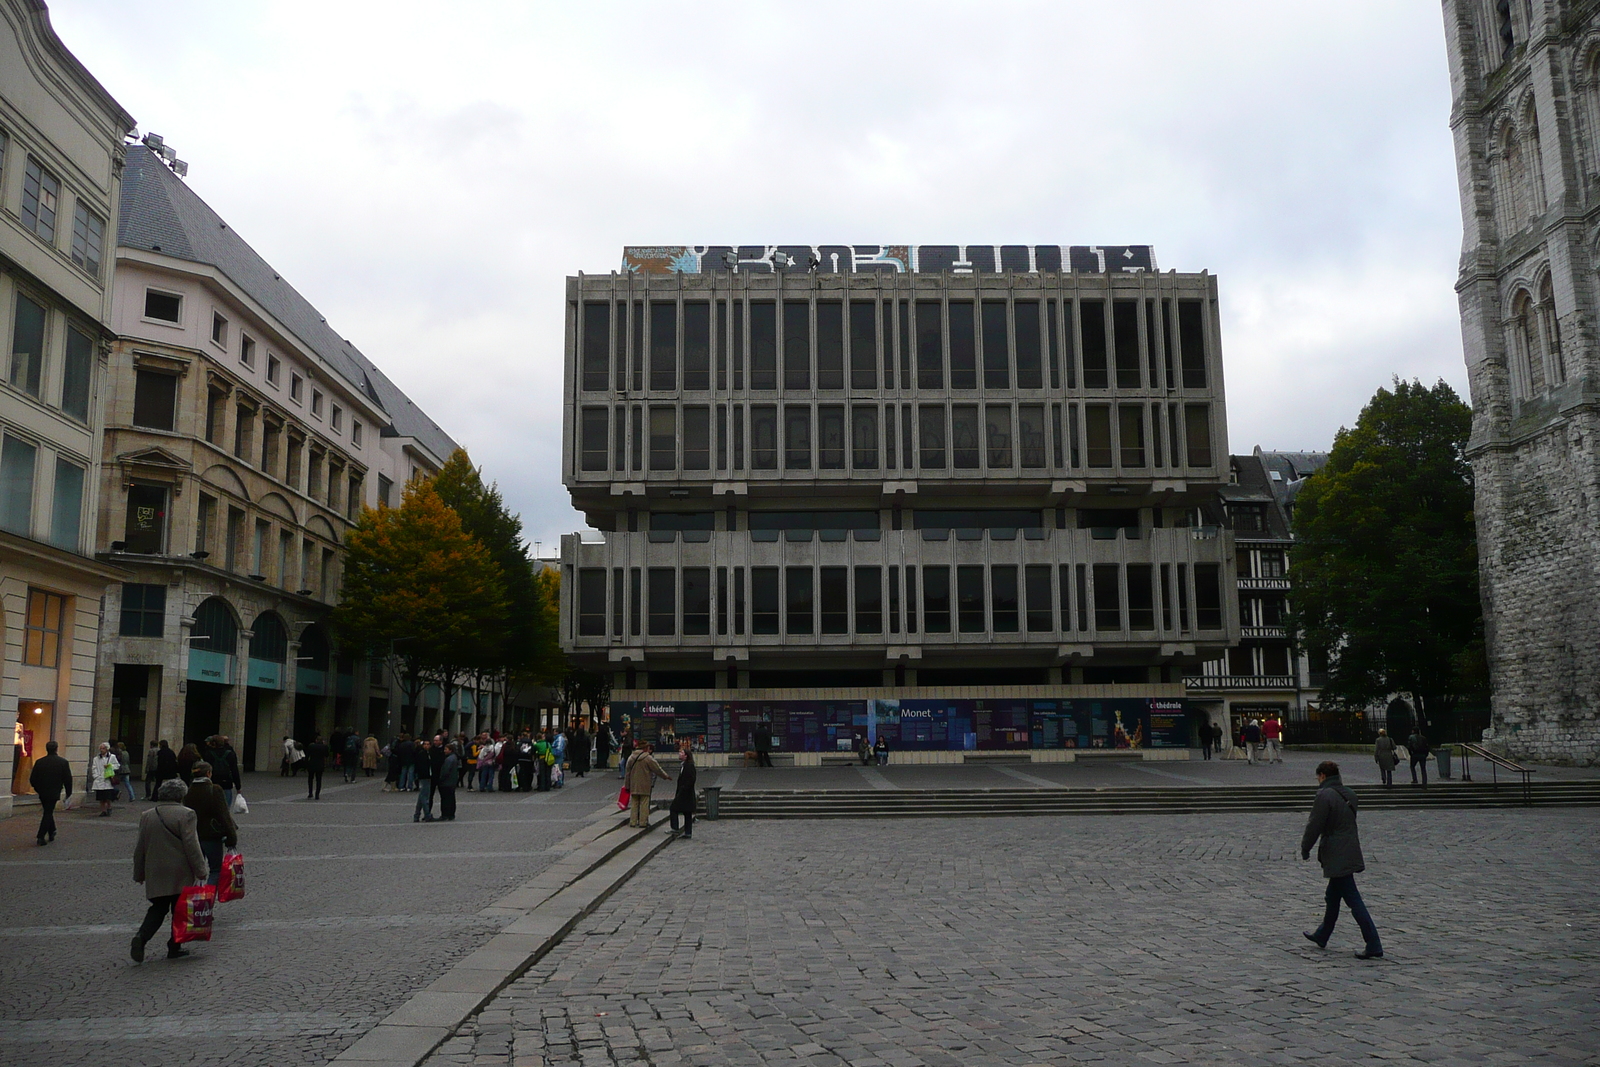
(642, 772)
(369, 755)
(167, 859)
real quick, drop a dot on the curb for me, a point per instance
(544, 910)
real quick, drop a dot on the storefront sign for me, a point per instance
(207, 666)
(311, 681)
(265, 674)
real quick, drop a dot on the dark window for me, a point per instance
(146, 526)
(663, 345)
(635, 600)
(593, 433)
(1141, 597)
(935, 599)
(830, 344)
(596, 344)
(27, 346)
(1271, 563)
(894, 600)
(1508, 33)
(76, 374)
(830, 437)
(738, 601)
(1166, 342)
(1197, 431)
(619, 601)
(930, 347)
(888, 437)
(1003, 599)
(763, 344)
(1030, 435)
(619, 440)
(696, 601)
(1166, 595)
(638, 344)
(591, 602)
(799, 606)
(168, 307)
(863, 344)
(963, 346)
(619, 351)
(869, 600)
(722, 437)
(696, 438)
(812, 520)
(996, 358)
(1083, 596)
(663, 438)
(976, 519)
(663, 602)
(911, 601)
(697, 345)
(1155, 435)
(722, 344)
(1041, 611)
(763, 600)
(1275, 660)
(1030, 373)
(1207, 596)
(738, 437)
(969, 598)
(1247, 518)
(144, 610)
(722, 601)
(1271, 611)
(797, 437)
(834, 587)
(1095, 374)
(1107, 598)
(1191, 344)
(997, 434)
(215, 631)
(796, 344)
(1151, 356)
(1125, 329)
(930, 429)
(964, 439)
(155, 399)
(864, 438)
(1097, 427)
(683, 520)
(1073, 440)
(763, 437)
(1107, 521)
(1130, 430)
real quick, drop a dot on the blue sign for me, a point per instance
(265, 674)
(207, 666)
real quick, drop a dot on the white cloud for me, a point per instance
(428, 175)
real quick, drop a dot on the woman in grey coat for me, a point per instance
(167, 859)
(1384, 753)
(1333, 820)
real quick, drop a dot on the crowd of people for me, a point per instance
(434, 766)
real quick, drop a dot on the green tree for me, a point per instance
(1385, 562)
(419, 589)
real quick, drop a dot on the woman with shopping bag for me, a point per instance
(214, 824)
(167, 859)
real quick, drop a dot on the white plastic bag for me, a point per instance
(73, 801)
(239, 805)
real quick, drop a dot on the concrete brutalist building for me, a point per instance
(1525, 78)
(946, 495)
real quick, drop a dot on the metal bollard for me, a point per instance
(713, 796)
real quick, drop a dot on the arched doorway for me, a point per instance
(264, 682)
(213, 644)
(311, 682)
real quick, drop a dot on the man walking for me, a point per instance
(1205, 741)
(316, 762)
(1417, 745)
(602, 745)
(50, 778)
(1272, 731)
(422, 761)
(1252, 741)
(1216, 738)
(763, 744)
(449, 767)
(641, 772)
(152, 767)
(352, 756)
(1333, 821)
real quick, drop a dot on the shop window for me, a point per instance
(155, 400)
(215, 630)
(144, 610)
(42, 632)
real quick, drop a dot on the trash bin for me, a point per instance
(713, 795)
(1442, 754)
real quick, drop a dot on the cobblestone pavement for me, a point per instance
(351, 907)
(1118, 940)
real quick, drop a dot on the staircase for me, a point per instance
(974, 803)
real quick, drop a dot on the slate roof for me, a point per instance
(160, 213)
(1255, 485)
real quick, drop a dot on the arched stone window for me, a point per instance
(214, 627)
(1533, 164)
(314, 647)
(1550, 335)
(1514, 207)
(269, 640)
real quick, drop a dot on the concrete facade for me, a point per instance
(1525, 80)
(61, 159)
(895, 481)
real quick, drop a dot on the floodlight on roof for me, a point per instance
(180, 168)
(168, 153)
(153, 141)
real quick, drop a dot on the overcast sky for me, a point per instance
(428, 173)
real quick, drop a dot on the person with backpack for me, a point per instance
(1333, 823)
(1417, 746)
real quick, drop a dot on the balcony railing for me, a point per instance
(1264, 584)
(1214, 682)
(1263, 631)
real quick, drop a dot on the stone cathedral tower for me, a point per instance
(1525, 81)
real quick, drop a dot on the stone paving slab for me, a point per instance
(1120, 940)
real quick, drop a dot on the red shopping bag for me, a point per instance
(622, 799)
(191, 918)
(230, 883)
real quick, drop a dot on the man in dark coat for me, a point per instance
(683, 800)
(50, 778)
(578, 749)
(214, 824)
(763, 746)
(1417, 745)
(166, 763)
(422, 762)
(316, 763)
(1333, 820)
(602, 745)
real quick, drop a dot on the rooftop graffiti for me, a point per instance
(899, 259)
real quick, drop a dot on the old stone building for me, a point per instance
(1525, 78)
(61, 158)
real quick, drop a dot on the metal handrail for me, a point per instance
(1495, 761)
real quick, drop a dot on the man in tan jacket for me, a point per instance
(641, 775)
